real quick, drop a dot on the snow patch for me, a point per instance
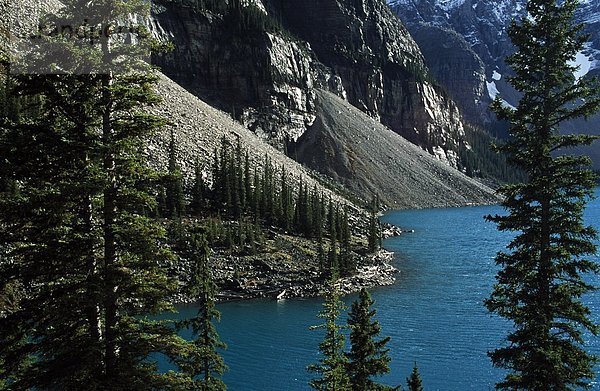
(492, 89)
(448, 5)
(496, 76)
(583, 64)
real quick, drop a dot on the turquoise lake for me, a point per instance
(434, 313)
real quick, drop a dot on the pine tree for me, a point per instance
(414, 382)
(256, 194)
(239, 178)
(174, 183)
(198, 190)
(79, 245)
(203, 364)
(368, 357)
(287, 214)
(333, 261)
(373, 236)
(540, 285)
(332, 365)
(347, 266)
(247, 184)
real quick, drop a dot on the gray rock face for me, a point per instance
(358, 50)
(263, 79)
(381, 68)
(464, 42)
(457, 67)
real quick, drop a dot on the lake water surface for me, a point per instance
(434, 313)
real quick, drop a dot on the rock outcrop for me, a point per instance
(382, 70)
(266, 72)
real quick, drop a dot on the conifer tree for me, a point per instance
(88, 260)
(373, 236)
(174, 186)
(203, 364)
(247, 183)
(333, 252)
(239, 177)
(286, 202)
(540, 285)
(368, 356)
(347, 266)
(414, 382)
(256, 195)
(198, 190)
(331, 370)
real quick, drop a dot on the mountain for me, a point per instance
(257, 63)
(263, 62)
(369, 158)
(465, 43)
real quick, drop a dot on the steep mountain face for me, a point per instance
(299, 98)
(477, 32)
(260, 77)
(263, 62)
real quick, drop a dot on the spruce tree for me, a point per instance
(540, 285)
(247, 183)
(414, 382)
(347, 265)
(331, 369)
(204, 365)
(333, 261)
(373, 236)
(89, 262)
(368, 357)
(198, 190)
(174, 183)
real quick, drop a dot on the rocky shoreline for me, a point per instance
(264, 278)
(288, 267)
(373, 270)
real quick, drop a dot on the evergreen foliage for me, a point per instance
(414, 382)
(203, 364)
(331, 369)
(482, 161)
(368, 357)
(198, 196)
(88, 265)
(374, 229)
(540, 285)
(271, 199)
(174, 184)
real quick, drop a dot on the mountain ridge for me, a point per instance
(479, 27)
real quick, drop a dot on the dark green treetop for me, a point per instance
(203, 364)
(540, 285)
(368, 356)
(90, 266)
(414, 382)
(331, 369)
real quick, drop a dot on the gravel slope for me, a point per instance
(199, 129)
(371, 159)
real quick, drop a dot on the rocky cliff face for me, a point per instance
(266, 68)
(472, 37)
(261, 78)
(381, 68)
